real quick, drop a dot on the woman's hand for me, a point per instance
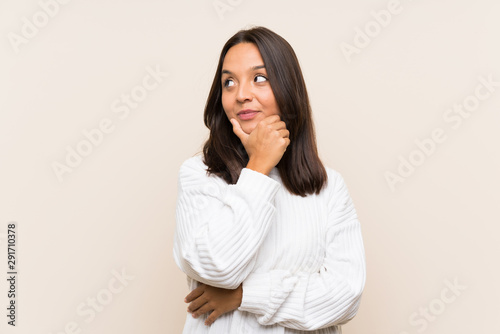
(206, 298)
(266, 144)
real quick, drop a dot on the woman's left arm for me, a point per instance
(309, 301)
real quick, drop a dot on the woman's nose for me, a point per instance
(244, 93)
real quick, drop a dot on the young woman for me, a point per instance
(267, 235)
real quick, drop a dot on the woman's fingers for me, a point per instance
(205, 308)
(267, 144)
(197, 304)
(277, 124)
(238, 131)
(195, 293)
(271, 119)
(212, 317)
(215, 301)
(284, 133)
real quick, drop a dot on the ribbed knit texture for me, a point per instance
(301, 259)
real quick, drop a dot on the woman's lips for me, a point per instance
(247, 115)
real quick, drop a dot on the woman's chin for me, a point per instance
(248, 128)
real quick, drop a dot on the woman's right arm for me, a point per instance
(219, 227)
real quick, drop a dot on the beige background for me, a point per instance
(115, 210)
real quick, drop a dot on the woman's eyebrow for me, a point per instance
(253, 68)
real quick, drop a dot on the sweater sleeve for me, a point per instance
(219, 227)
(329, 297)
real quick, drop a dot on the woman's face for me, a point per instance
(246, 93)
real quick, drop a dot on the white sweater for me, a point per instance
(301, 259)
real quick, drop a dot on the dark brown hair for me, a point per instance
(300, 168)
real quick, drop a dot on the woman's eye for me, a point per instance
(228, 83)
(260, 78)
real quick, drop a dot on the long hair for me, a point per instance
(300, 168)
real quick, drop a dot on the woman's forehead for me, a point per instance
(243, 56)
